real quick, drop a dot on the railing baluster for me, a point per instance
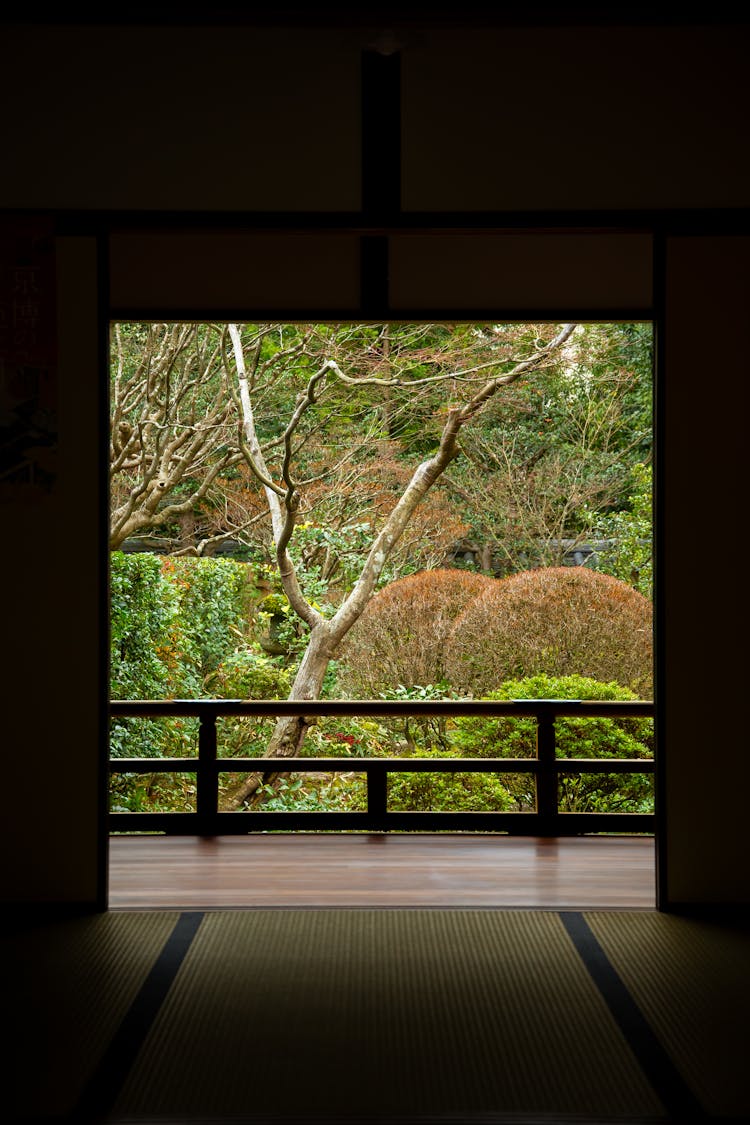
(377, 791)
(546, 778)
(207, 781)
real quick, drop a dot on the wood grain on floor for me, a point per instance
(401, 870)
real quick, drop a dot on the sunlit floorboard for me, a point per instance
(366, 870)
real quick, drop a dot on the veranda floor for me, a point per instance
(371, 870)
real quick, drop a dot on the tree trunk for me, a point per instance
(290, 730)
(283, 502)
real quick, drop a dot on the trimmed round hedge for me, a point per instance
(556, 621)
(400, 638)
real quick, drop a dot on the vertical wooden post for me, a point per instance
(207, 780)
(546, 778)
(377, 794)
(381, 132)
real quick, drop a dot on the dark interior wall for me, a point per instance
(575, 121)
(176, 118)
(704, 607)
(181, 118)
(575, 118)
(51, 581)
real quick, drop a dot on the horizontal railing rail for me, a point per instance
(546, 768)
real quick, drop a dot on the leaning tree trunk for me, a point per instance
(290, 730)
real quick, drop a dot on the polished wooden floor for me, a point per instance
(370, 870)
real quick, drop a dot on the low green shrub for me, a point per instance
(247, 673)
(575, 737)
(447, 792)
(157, 792)
(318, 793)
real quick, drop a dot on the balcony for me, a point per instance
(543, 857)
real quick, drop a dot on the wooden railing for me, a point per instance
(546, 767)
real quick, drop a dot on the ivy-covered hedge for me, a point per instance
(173, 621)
(178, 630)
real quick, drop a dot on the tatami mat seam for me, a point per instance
(102, 1089)
(653, 1058)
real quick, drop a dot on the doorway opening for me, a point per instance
(440, 519)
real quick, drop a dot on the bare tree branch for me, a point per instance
(282, 516)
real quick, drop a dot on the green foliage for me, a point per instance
(323, 553)
(213, 605)
(431, 737)
(156, 792)
(247, 673)
(574, 738)
(344, 737)
(177, 632)
(172, 622)
(278, 629)
(555, 453)
(150, 657)
(631, 557)
(327, 793)
(144, 607)
(415, 734)
(447, 792)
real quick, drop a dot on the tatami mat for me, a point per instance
(377, 1017)
(70, 985)
(385, 1012)
(691, 980)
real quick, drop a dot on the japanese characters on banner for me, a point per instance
(28, 358)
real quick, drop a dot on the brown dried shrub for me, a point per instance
(558, 621)
(400, 637)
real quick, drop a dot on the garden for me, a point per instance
(273, 538)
